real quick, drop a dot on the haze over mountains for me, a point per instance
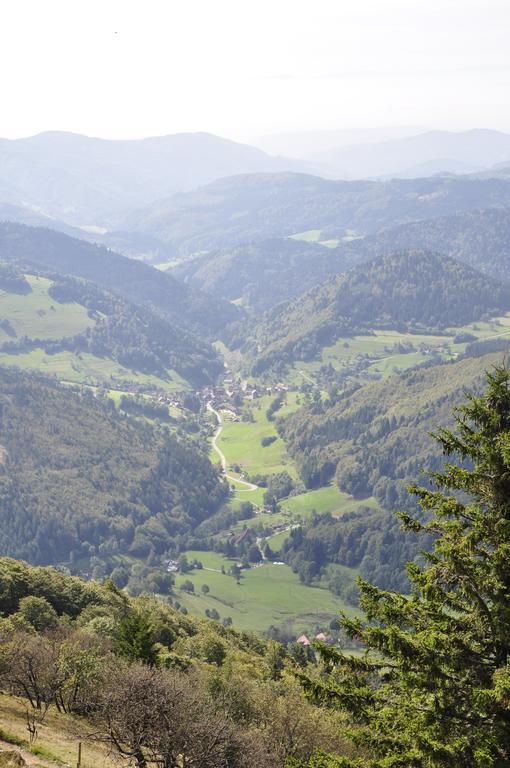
(277, 289)
(99, 184)
(90, 181)
(259, 206)
(422, 155)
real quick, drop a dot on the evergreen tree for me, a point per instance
(433, 688)
(135, 639)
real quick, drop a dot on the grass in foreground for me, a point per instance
(58, 736)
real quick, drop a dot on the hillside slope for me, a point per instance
(34, 246)
(261, 274)
(406, 290)
(260, 206)
(375, 439)
(75, 475)
(48, 314)
(85, 180)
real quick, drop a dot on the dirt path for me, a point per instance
(28, 757)
(307, 378)
(249, 486)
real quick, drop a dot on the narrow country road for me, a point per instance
(260, 548)
(249, 486)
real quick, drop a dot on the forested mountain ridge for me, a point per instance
(406, 290)
(76, 475)
(260, 274)
(55, 251)
(266, 272)
(91, 181)
(374, 439)
(480, 238)
(53, 313)
(254, 207)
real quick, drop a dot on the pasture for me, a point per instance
(38, 316)
(266, 595)
(240, 442)
(86, 368)
(385, 354)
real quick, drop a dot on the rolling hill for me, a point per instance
(421, 155)
(409, 290)
(75, 475)
(248, 208)
(78, 331)
(89, 181)
(43, 248)
(480, 238)
(262, 274)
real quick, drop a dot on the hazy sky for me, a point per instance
(241, 68)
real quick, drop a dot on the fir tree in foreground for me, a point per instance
(433, 688)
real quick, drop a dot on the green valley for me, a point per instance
(268, 595)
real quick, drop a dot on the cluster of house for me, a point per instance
(320, 636)
(429, 349)
(231, 395)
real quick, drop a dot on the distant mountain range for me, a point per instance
(89, 181)
(413, 156)
(254, 207)
(97, 183)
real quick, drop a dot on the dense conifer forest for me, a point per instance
(79, 479)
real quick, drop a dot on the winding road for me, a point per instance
(249, 486)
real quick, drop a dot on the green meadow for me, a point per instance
(309, 236)
(267, 595)
(38, 316)
(381, 350)
(88, 369)
(321, 500)
(241, 441)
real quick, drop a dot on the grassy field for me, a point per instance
(241, 441)
(58, 736)
(310, 236)
(37, 315)
(295, 509)
(88, 369)
(381, 350)
(269, 594)
(327, 499)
